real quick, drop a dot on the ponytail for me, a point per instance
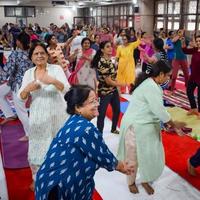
(141, 77)
(96, 59)
(152, 71)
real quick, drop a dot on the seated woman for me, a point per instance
(77, 152)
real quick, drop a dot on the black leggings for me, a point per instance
(190, 93)
(113, 99)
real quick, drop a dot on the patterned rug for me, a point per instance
(179, 99)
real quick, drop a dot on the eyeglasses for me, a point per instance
(95, 102)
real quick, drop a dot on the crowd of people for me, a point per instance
(70, 76)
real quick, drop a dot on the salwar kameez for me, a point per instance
(144, 113)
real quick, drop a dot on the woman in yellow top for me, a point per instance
(126, 65)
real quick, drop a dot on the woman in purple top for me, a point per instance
(194, 80)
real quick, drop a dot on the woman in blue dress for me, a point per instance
(76, 153)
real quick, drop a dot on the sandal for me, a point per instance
(115, 131)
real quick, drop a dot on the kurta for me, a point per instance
(74, 155)
(144, 113)
(86, 75)
(47, 113)
(126, 66)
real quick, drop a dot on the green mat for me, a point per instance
(192, 121)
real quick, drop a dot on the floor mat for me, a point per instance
(14, 152)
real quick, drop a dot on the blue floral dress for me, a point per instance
(75, 154)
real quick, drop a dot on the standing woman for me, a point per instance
(141, 139)
(126, 66)
(107, 87)
(55, 50)
(85, 74)
(46, 84)
(13, 72)
(194, 79)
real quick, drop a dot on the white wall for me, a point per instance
(146, 12)
(45, 16)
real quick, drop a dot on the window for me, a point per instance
(160, 25)
(161, 7)
(110, 10)
(9, 11)
(176, 25)
(180, 14)
(192, 7)
(17, 11)
(177, 8)
(116, 10)
(30, 11)
(114, 16)
(170, 8)
(169, 26)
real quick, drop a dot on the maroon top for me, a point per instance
(195, 64)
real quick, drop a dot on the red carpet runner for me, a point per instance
(177, 151)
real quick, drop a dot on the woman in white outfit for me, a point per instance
(46, 84)
(12, 72)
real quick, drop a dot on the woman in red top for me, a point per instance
(194, 80)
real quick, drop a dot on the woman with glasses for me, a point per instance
(45, 84)
(77, 152)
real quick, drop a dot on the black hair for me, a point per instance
(143, 33)
(158, 43)
(48, 38)
(24, 39)
(170, 33)
(96, 36)
(34, 46)
(120, 32)
(128, 37)
(197, 36)
(97, 57)
(152, 71)
(35, 41)
(85, 39)
(76, 96)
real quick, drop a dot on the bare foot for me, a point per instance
(133, 188)
(148, 188)
(32, 186)
(191, 169)
(23, 139)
